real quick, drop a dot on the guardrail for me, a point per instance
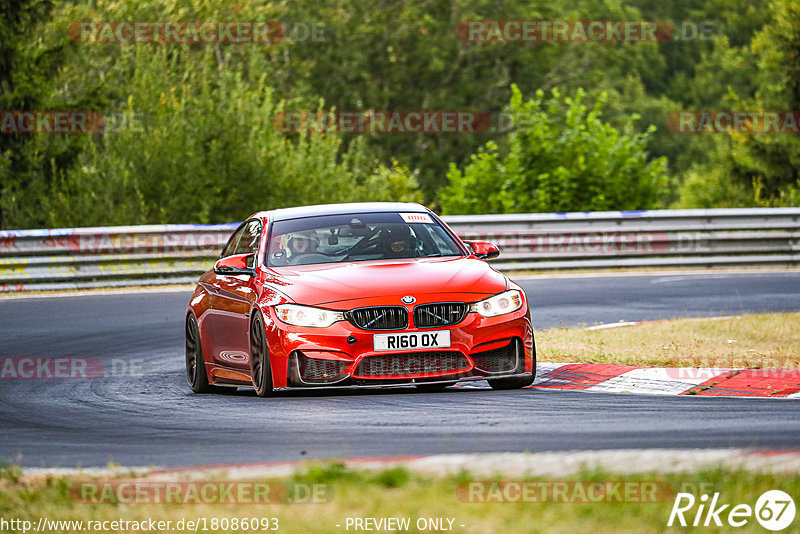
(72, 258)
(177, 254)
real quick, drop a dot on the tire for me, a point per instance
(516, 382)
(511, 383)
(432, 388)
(195, 366)
(260, 370)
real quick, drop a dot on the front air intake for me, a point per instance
(412, 364)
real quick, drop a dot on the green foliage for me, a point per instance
(26, 62)
(432, 496)
(406, 56)
(757, 169)
(706, 188)
(326, 473)
(193, 139)
(10, 472)
(338, 472)
(561, 157)
(394, 477)
(203, 147)
(200, 148)
(391, 184)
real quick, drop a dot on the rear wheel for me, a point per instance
(259, 357)
(195, 366)
(517, 382)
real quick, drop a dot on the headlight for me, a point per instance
(297, 315)
(505, 302)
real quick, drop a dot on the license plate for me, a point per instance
(412, 340)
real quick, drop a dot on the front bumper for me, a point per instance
(343, 355)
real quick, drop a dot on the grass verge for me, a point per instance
(768, 341)
(399, 493)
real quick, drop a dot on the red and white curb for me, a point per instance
(715, 382)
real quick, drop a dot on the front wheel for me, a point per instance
(259, 357)
(511, 383)
(516, 382)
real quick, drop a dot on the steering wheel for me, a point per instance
(364, 243)
(306, 259)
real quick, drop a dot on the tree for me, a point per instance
(758, 169)
(24, 68)
(194, 137)
(202, 146)
(561, 157)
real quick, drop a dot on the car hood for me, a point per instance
(337, 282)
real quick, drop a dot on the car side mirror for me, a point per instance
(236, 265)
(484, 249)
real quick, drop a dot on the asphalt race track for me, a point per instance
(141, 412)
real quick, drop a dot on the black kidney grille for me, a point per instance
(379, 318)
(439, 314)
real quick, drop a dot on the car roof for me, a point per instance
(350, 207)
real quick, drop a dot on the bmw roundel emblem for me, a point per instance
(408, 299)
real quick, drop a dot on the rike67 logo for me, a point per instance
(774, 510)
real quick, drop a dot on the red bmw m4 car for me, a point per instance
(356, 295)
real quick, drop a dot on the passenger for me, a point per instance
(301, 244)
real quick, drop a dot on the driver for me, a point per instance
(399, 242)
(301, 243)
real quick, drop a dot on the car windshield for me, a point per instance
(358, 237)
